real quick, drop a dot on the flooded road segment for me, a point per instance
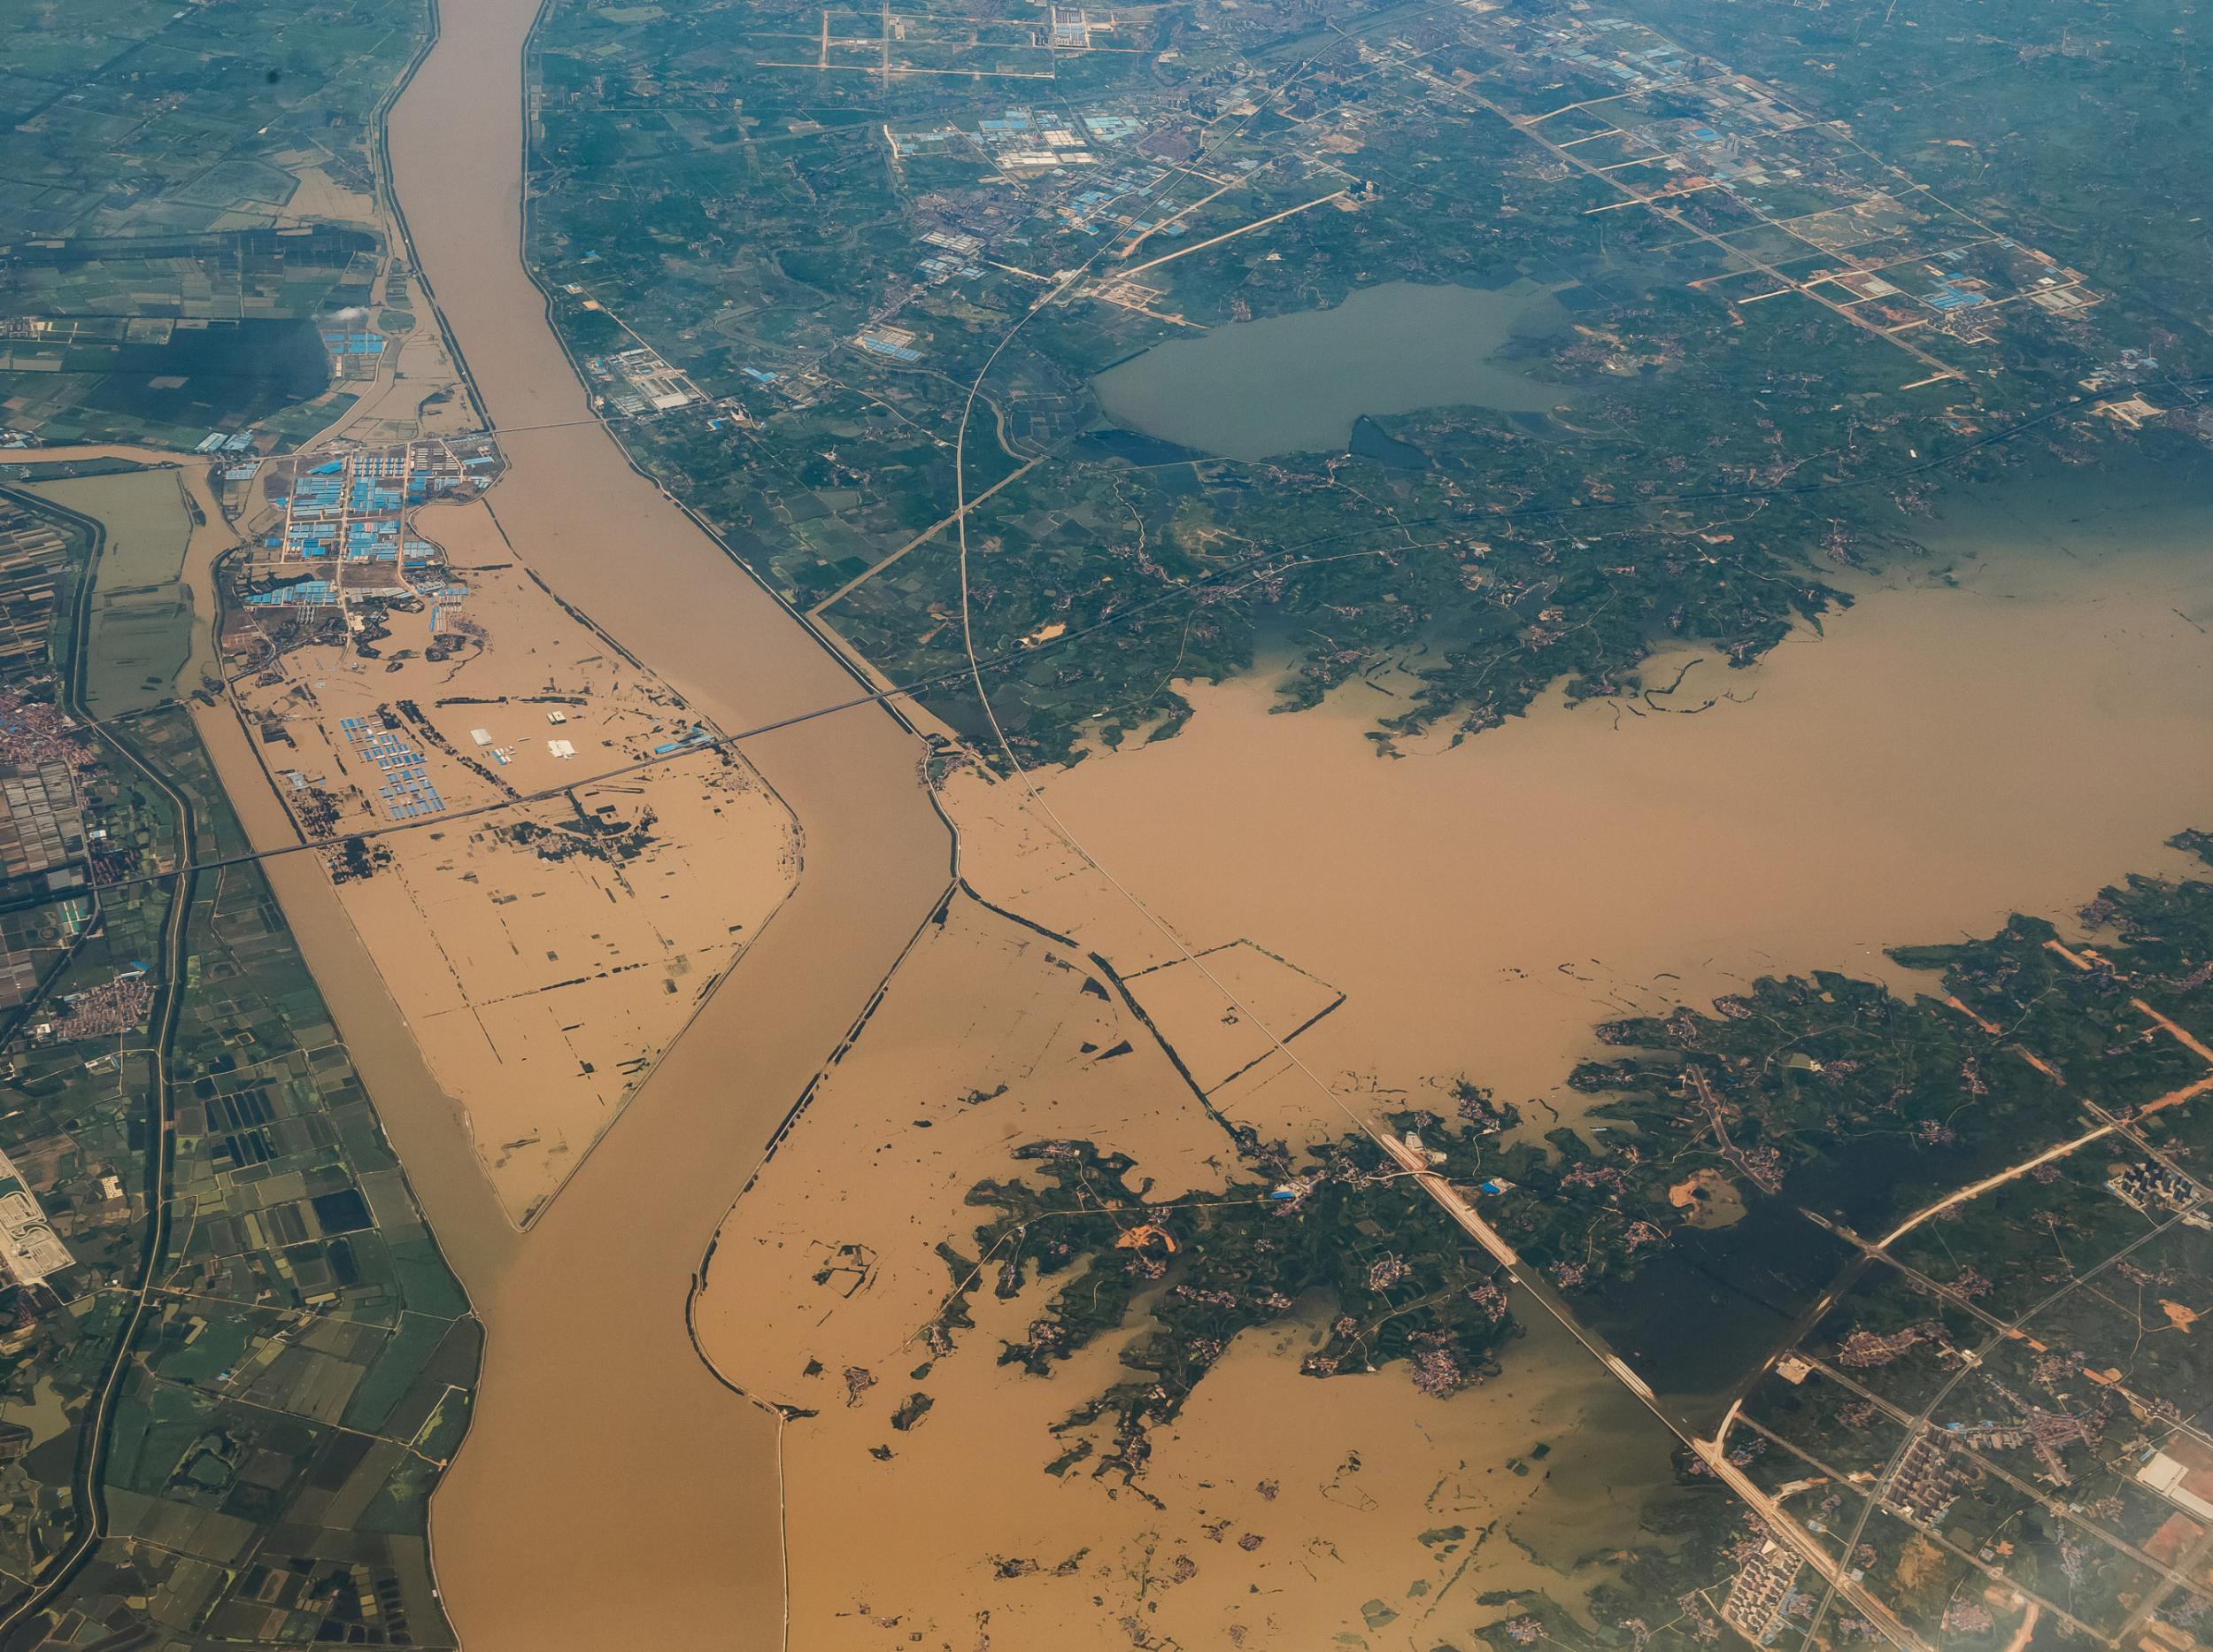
(610, 1492)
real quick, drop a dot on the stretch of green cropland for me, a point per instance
(232, 1359)
(187, 198)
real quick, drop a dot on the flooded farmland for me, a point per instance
(1898, 778)
(1941, 754)
(1278, 1510)
(142, 616)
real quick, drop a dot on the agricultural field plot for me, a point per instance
(187, 190)
(136, 116)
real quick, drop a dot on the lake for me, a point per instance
(1297, 383)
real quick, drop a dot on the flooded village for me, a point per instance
(483, 765)
(824, 1299)
(755, 1028)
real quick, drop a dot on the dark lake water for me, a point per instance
(1298, 384)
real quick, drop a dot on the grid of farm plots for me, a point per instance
(406, 792)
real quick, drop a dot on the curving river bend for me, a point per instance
(611, 1493)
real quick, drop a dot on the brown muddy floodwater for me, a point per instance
(611, 1493)
(1941, 756)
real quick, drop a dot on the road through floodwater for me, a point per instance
(611, 1493)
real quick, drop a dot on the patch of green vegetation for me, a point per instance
(131, 117)
(2067, 128)
(291, 1324)
(757, 209)
(1204, 1269)
(178, 183)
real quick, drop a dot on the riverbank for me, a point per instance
(654, 1520)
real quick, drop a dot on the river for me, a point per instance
(611, 1493)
